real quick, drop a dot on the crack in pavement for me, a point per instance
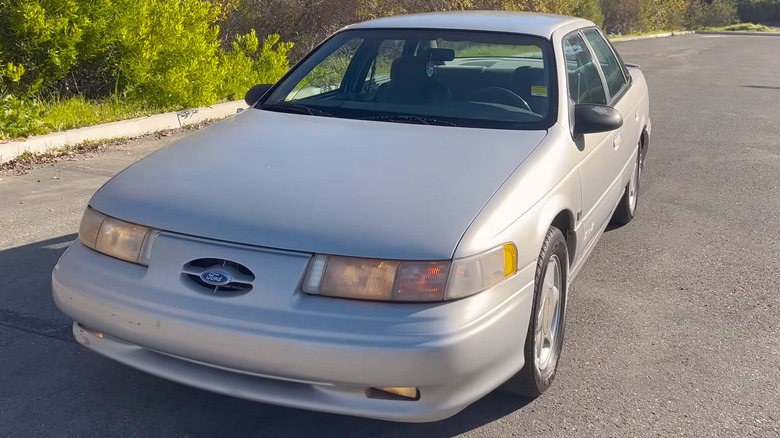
(36, 326)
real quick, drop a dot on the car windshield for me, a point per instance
(434, 77)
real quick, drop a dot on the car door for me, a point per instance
(621, 98)
(586, 86)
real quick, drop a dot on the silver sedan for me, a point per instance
(390, 231)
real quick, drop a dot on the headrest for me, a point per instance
(409, 69)
(529, 75)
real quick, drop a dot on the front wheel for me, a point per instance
(544, 340)
(627, 207)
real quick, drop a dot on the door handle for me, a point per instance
(617, 141)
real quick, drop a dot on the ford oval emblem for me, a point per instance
(216, 277)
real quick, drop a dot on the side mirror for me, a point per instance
(255, 93)
(590, 119)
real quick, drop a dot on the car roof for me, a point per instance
(497, 21)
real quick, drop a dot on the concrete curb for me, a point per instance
(720, 32)
(123, 128)
(650, 37)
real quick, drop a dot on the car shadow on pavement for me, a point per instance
(25, 298)
(131, 399)
(203, 414)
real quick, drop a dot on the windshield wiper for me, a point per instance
(296, 108)
(411, 119)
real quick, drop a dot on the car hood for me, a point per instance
(321, 185)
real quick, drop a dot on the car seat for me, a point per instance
(410, 83)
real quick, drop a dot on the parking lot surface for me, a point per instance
(673, 325)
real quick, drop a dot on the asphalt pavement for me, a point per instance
(674, 323)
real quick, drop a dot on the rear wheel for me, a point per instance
(627, 207)
(544, 339)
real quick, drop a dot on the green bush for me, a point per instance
(664, 14)
(20, 117)
(715, 14)
(744, 27)
(250, 63)
(163, 53)
(48, 38)
(759, 11)
(41, 35)
(589, 10)
(166, 52)
(633, 16)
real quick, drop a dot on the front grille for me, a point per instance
(241, 277)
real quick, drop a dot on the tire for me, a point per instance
(542, 350)
(627, 207)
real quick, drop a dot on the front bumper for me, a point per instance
(305, 352)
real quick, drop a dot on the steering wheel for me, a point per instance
(487, 95)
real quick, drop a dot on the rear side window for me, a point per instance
(610, 65)
(585, 85)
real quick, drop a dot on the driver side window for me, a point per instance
(585, 85)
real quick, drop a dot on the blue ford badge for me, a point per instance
(216, 277)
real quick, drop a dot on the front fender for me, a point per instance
(544, 185)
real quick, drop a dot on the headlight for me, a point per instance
(392, 280)
(115, 238)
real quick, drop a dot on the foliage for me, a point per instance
(759, 11)
(41, 37)
(156, 54)
(78, 112)
(589, 10)
(632, 16)
(20, 117)
(745, 27)
(47, 39)
(664, 14)
(160, 52)
(31, 116)
(309, 22)
(68, 63)
(166, 51)
(717, 13)
(250, 63)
